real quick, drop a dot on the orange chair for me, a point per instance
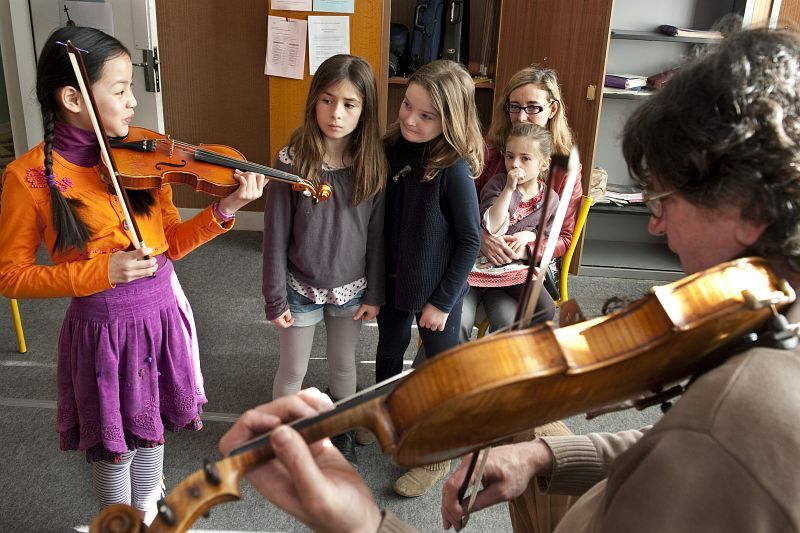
(18, 326)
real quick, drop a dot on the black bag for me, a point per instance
(398, 50)
(426, 43)
(456, 32)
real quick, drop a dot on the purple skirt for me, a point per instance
(128, 367)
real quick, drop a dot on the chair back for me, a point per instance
(580, 222)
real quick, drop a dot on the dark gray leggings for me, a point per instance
(394, 335)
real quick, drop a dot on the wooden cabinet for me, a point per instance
(369, 38)
(402, 12)
(571, 37)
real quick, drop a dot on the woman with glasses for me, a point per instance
(531, 95)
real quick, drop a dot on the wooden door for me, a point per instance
(571, 37)
(212, 73)
(789, 16)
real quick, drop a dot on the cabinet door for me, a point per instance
(571, 37)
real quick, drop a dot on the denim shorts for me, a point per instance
(307, 313)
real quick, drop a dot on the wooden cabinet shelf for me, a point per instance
(634, 209)
(654, 36)
(635, 260)
(479, 84)
(622, 94)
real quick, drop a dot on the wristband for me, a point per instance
(222, 217)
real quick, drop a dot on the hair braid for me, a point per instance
(71, 230)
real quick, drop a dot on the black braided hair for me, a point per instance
(54, 71)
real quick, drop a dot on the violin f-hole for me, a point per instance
(173, 165)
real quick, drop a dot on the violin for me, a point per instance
(484, 392)
(147, 159)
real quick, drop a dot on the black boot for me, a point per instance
(346, 444)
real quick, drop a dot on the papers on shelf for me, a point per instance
(636, 93)
(623, 194)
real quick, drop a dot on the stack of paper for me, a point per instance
(624, 194)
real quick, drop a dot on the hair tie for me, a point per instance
(51, 180)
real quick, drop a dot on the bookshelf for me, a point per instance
(616, 240)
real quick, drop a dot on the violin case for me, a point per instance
(426, 41)
(456, 32)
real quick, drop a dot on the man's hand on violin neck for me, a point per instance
(251, 187)
(315, 483)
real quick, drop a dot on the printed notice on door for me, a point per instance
(327, 36)
(292, 5)
(286, 47)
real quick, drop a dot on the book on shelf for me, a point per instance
(658, 81)
(625, 81)
(674, 31)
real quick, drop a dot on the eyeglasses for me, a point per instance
(532, 109)
(653, 202)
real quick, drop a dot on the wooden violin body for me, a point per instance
(147, 159)
(507, 383)
(486, 391)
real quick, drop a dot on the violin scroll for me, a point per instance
(319, 195)
(118, 518)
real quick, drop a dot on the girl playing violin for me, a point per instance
(512, 205)
(128, 363)
(432, 224)
(326, 261)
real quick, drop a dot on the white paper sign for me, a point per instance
(327, 36)
(335, 6)
(292, 5)
(286, 47)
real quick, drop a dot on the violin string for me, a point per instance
(222, 158)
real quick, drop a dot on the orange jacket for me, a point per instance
(26, 220)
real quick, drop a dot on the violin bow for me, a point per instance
(531, 291)
(79, 67)
(526, 306)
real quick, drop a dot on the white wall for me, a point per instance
(646, 58)
(19, 68)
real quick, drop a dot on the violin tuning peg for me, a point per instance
(166, 513)
(212, 475)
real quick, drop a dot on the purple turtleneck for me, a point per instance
(76, 145)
